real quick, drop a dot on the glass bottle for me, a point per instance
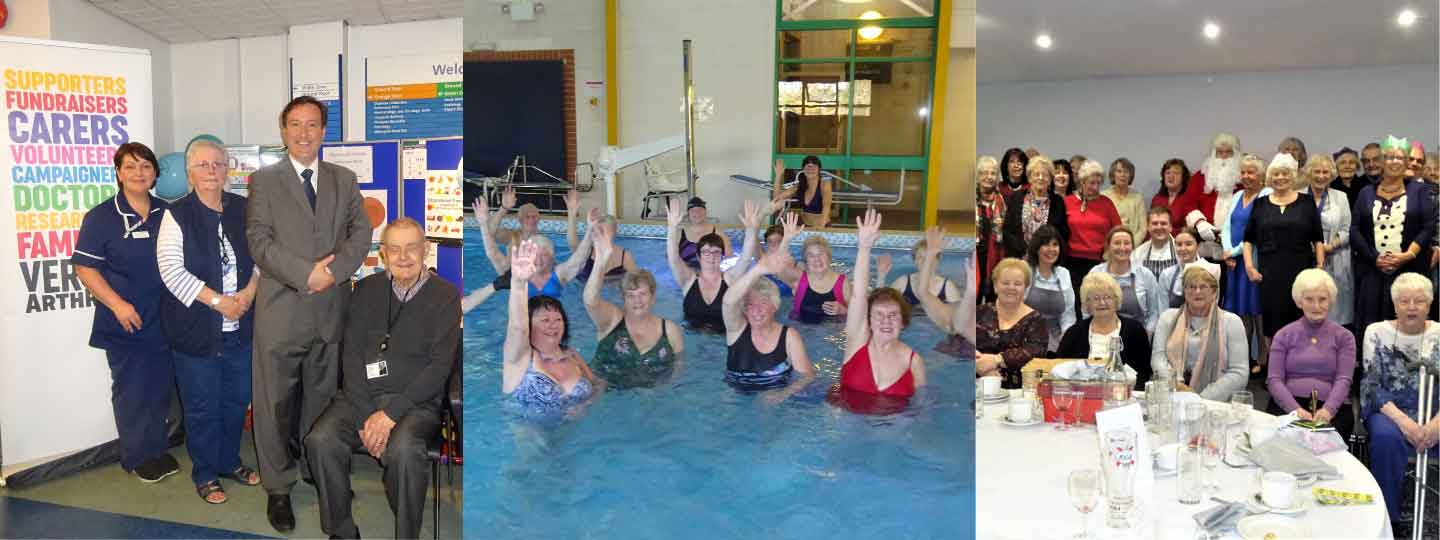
(1117, 384)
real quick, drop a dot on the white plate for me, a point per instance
(997, 398)
(1006, 420)
(1258, 527)
(1300, 504)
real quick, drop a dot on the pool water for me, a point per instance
(695, 459)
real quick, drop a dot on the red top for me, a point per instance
(1088, 228)
(1178, 209)
(857, 375)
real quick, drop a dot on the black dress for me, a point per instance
(1284, 242)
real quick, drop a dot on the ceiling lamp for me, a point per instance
(1212, 30)
(1043, 41)
(871, 32)
(1406, 18)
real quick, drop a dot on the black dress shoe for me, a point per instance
(338, 537)
(282, 518)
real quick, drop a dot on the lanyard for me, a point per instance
(392, 319)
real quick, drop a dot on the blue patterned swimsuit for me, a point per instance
(538, 393)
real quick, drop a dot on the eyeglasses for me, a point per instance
(1099, 300)
(394, 252)
(712, 252)
(210, 165)
(1198, 287)
(1407, 302)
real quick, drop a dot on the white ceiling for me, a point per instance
(179, 21)
(1114, 38)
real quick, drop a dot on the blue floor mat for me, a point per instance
(21, 518)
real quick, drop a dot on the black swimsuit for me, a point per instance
(748, 368)
(700, 315)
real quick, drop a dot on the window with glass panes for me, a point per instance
(853, 85)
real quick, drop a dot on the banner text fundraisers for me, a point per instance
(62, 130)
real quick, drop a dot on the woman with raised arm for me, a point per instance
(620, 260)
(813, 191)
(947, 290)
(545, 376)
(549, 279)
(636, 348)
(957, 319)
(763, 354)
(876, 361)
(529, 218)
(696, 226)
(705, 288)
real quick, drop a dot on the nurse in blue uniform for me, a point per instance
(115, 259)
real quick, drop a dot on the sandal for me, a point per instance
(244, 476)
(209, 489)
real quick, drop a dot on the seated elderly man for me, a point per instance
(400, 344)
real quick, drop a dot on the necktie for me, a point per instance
(309, 186)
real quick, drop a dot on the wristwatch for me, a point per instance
(215, 301)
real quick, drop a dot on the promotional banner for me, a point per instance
(66, 106)
(412, 97)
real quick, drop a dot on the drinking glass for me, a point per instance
(1084, 487)
(1063, 400)
(1190, 423)
(1030, 380)
(1241, 403)
(1076, 397)
(1120, 465)
(1213, 448)
(1189, 485)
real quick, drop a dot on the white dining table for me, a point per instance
(1021, 489)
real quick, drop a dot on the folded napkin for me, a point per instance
(1222, 517)
(1079, 370)
(1283, 455)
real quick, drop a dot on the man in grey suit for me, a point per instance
(307, 228)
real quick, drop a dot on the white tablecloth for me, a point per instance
(1021, 489)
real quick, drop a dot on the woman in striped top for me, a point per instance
(205, 263)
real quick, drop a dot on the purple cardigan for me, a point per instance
(1306, 355)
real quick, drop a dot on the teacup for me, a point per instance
(1277, 489)
(991, 385)
(1166, 456)
(1020, 411)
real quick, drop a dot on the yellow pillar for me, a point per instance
(612, 93)
(930, 215)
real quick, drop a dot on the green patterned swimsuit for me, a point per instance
(621, 363)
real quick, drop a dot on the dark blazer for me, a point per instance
(1014, 232)
(1076, 344)
(287, 238)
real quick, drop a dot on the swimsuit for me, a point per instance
(623, 365)
(809, 305)
(915, 300)
(538, 393)
(553, 288)
(858, 375)
(584, 273)
(748, 368)
(700, 315)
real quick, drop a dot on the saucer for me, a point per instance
(1263, 527)
(1300, 504)
(1006, 420)
(997, 398)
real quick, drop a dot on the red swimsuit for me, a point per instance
(857, 375)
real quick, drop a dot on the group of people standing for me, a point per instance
(1309, 254)
(238, 299)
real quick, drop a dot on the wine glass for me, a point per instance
(1241, 403)
(1084, 487)
(1063, 399)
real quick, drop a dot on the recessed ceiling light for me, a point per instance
(1043, 41)
(1212, 30)
(924, 111)
(1406, 18)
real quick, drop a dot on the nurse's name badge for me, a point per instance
(140, 234)
(375, 370)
